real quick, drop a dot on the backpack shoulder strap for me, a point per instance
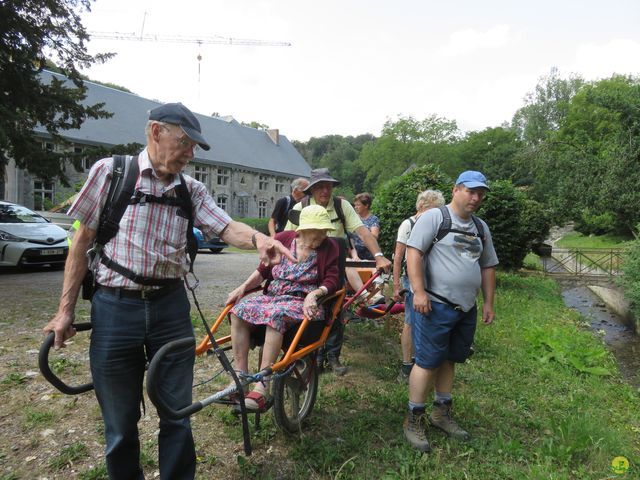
(123, 183)
(480, 228)
(182, 192)
(337, 205)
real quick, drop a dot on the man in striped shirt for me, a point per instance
(130, 321)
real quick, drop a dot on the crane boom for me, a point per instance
(216, 39)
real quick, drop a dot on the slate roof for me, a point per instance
(232, 144)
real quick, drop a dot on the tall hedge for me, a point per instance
(395, 200)
(515, 222)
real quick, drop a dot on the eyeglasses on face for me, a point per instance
(184, 142)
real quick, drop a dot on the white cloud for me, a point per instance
(469, 40)
(619, 55)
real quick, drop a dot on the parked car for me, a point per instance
(27, 238)
(215, 244)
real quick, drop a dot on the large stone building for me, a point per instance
(246, 170)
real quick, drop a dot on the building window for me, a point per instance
(280, 183)
(242, 180)
(50, 147)
(42, 195)
(243, 206)
(221, 200)
(202, 174)
(263, 184)
(262, 208)
(223, 176)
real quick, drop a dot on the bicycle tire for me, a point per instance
(294, 395)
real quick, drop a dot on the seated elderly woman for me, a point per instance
(291, 293)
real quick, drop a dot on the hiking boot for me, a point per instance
(441, 418)
(336, 367)
(415, 430)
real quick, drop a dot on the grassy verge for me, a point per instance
(578, 240)
(541, 397)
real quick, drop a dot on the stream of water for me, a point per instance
(619, 338)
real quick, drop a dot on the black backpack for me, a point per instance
(122, 194)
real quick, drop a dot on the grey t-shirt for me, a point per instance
(452, 268)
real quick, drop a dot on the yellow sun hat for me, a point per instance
(314, 217)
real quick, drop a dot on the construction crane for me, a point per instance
(200, 40)
(216, 39)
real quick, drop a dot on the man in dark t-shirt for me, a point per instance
(279, 216)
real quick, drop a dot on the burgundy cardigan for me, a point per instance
(328, 254)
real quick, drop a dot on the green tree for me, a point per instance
(545, 107)
(408, 142)
(30, 33)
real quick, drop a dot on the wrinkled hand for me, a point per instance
(271, 251)
(487, 314)
(62, 326)
(310, 306)
(421, 302)
(235, 295)
(384, 264)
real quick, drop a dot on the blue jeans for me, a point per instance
(126, 334)
(409, 312)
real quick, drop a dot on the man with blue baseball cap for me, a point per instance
(450, 257)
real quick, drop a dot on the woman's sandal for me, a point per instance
(255, 401)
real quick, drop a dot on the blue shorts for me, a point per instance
(443, 334)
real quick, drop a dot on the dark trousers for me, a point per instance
(333, 344)
(126, 333)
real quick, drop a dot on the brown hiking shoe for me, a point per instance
(336, 367)
(415, 430)
(441, 418)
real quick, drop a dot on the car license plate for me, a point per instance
(52, 251)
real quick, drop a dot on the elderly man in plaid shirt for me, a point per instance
(131, 323)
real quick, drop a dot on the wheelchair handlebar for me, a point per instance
(52, 378)
(153, 381)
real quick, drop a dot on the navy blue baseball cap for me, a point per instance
(472, 179)
(178, 114)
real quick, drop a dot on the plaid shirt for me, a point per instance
(152, 240)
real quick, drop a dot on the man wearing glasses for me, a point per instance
(130, 320)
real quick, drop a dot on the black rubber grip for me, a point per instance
(43, 364)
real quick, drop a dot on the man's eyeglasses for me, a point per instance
(183, 142)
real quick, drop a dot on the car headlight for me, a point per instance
(7, 237)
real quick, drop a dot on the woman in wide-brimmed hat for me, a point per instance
(291, 294)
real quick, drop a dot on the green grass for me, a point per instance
(68, 455)
(541, 397)
(578, 240)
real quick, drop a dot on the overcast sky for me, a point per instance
(353, 64)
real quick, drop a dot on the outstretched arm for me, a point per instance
(243, 236)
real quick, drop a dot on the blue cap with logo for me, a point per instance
(178, 114)
(472, 179)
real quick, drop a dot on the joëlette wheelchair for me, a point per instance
(294, 376)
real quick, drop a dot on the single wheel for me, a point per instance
(294, 394)
(216, 250)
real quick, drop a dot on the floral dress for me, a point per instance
(281, 307)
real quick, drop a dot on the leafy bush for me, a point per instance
(396, 200)
(589, 223)
(515, 222)
(631, 279)
(260, 224)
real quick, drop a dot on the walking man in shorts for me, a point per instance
(445, 278)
